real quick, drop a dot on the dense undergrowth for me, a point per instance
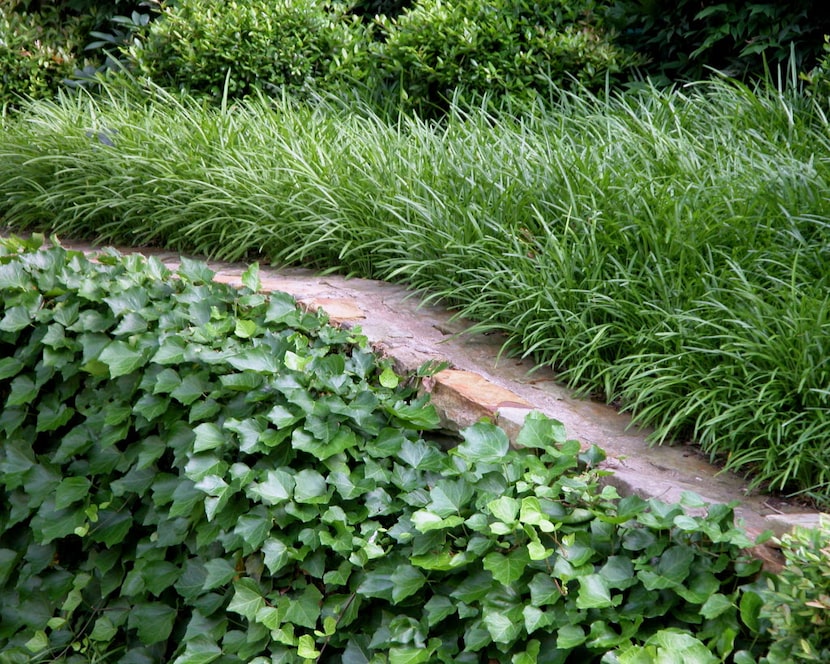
(194, 474)
(666, 250)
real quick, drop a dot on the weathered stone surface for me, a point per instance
(781, 524)
(462, 398)
(339, 310)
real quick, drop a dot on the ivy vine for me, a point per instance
(191, 473)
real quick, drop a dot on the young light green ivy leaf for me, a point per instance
(595, 593)
(483, 443)
(250, 278)
(507, 569)
(121, 358)
(247, 598)
(389, 379)
(540, 431)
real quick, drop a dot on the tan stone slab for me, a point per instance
(232, 279)
(462, 398)
(338, 310)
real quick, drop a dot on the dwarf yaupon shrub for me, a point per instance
(190, 473)
(270, 45)
(508, 48)
(36, 53)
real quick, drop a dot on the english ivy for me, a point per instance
(193, 474)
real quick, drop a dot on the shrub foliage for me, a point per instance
(270, 45)
(508, 48)
(687, 39)
(192, 474)
(36, 54)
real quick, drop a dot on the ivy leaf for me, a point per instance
(535, 619)
(505, 509)
(170, 351)
(310, 487)
(502, 628)
(677, 647)
(543, 590)
(195, 271)
(437, 608)
(507, 569)
(406, 581)
(342, 440)
(483, 443)
(259, 360)
(208, 437)
(276, 554)
(530, 655)
(219, 572)
(473, 587)
(420, 455)
(618, 571)
(70, 490)
(594, 593)
(716, 605)
(750, 608)
(254, 528)
(449, 497)
(250, 278)
(121, 358)
(378, 583)
(10, 366)
(306, 648)
(13, 276)
(152, 621)
(191, 388)
(277, 487)
(247, 598)
(569, 637)
(388, 378)
(419, 414)
(425, 521)
(670, 571)
(402, 655)
(540, 431)
(305, 609)
(245, 329)
(200, 649)
(23, 391)
(103, 630)
(282, 308)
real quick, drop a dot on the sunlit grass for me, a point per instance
(668, 250)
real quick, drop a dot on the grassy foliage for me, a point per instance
(666, 250)
(194, 474)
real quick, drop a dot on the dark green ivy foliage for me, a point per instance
(195, 474)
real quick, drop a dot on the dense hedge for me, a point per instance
(420, 52)
(36, 54)
(505, 49)
(196, 475)
(270, 45)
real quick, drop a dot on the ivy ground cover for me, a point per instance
(194, 474)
